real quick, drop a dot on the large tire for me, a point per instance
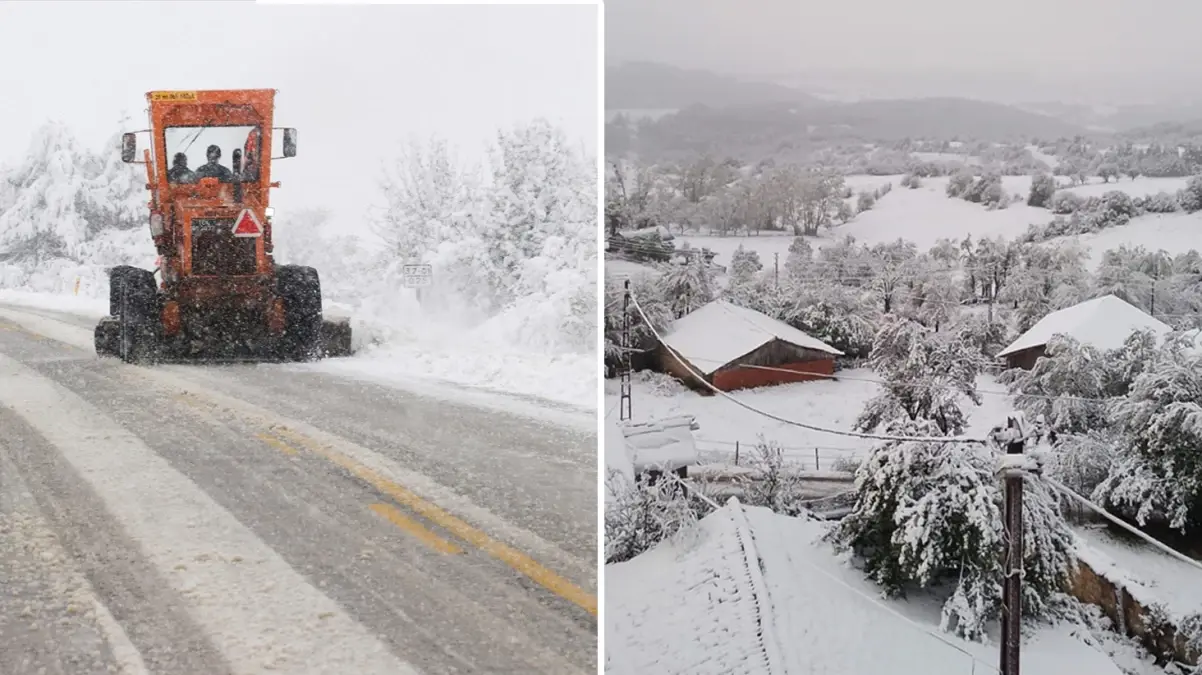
(134, 302)
(300, 289)
(107, 336)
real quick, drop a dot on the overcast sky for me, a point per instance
(1115, 48)
(355, 81)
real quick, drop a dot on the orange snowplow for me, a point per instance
(219, 292)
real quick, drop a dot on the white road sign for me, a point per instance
(417, 276)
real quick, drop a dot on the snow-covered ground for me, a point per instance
(830, 404)
(927, 214)
(1149, 575)
(750, 591)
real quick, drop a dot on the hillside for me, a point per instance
(727, 123)
(641, 86)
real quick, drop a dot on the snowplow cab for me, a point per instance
(219, 291)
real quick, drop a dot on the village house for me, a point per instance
(1103, 323)
(738, 348)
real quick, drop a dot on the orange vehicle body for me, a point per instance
(180, 204)
(219, 290)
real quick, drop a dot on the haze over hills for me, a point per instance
(654, 86)
(642, 86)
(716, 113)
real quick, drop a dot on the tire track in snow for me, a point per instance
(177, 380)
(257, 611)
(22, 526)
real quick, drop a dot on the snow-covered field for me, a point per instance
(750, 591)
(829, 404)
(927, 214)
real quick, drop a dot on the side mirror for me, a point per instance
(290, 142)
(129, 147)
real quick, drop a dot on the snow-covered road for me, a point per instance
(271, 518)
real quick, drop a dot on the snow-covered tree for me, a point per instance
(924, 373)
(649, 291)
(688, 286)
(1043, 186)
(1157, 473)
(429, 199)
(928, 516)
(800, 259)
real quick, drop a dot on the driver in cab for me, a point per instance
(214, 169)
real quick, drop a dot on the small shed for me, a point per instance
(1103, 323)
(738, 348)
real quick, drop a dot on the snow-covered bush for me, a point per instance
(640, 515)
(776, 485)
(911, 181)
(928, 516)
(1064, 203)
(1161, 202)
(865, 202)
(1190, 196)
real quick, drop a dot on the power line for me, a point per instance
(1117, 521)
(853, 434)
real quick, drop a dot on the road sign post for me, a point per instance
(418, 277)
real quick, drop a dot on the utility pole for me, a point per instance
(625, 410)
(776, 269)
(1014, 467)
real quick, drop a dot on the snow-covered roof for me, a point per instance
(715, 334)
(663, 445)
(1103, 323)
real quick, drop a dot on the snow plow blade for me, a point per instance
(335, 338)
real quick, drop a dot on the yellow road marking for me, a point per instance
(517, 560)
(277, 444)
(424, 535)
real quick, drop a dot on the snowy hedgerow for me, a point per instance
(928, 514)
(1064, 203)
(865, 202)
(911, 181)
(1161, 202)
(924, 373)
(1157, 472)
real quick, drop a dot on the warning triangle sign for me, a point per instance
(247, 225)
